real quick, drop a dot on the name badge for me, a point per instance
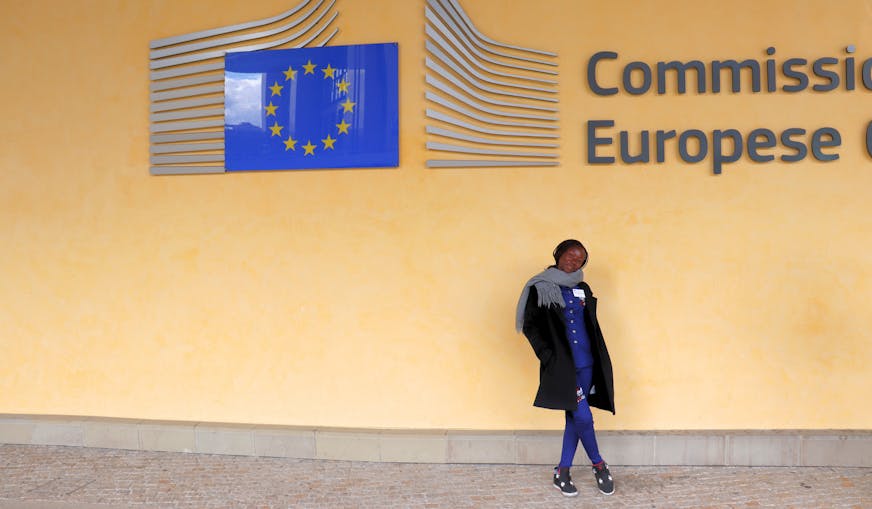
(578, 292)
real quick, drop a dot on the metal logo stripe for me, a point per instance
(186, 89)
(487, 107)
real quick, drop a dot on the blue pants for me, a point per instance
(579, 424)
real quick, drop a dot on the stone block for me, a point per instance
(539, 448)
(109, 434)
(347, 445)
(776, 450)
(848, 450)
(484, 447)
(231, 440)
(412, 447)
(167, 437)
(284, 442)
(689, 449)
(626, 448)
(58, 431)
(16, 430)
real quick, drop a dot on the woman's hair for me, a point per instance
(565, 246)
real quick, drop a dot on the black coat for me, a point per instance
(545, 328)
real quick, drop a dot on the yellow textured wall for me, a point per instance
(385, 298)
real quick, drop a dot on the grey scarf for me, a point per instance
(548, 283)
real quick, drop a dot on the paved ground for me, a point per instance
(48, 477)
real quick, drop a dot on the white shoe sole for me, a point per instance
(563, 492)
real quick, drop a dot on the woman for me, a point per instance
(557, 313)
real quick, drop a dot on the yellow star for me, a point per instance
(343, 86)
(343, 127)
(276, 129)
(328, 142)
(290, 74)
(290, 144)
(309, 67)
(270, 109)
(276, 89)
(309, 149)
(328, 72)
(348, 105)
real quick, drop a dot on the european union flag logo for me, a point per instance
(330, 107)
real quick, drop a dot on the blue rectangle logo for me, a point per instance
(307, 108)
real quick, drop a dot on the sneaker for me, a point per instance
(604, 480)
(563, 482)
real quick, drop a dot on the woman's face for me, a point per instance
(572, 259)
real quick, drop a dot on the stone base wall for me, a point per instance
(845, 448)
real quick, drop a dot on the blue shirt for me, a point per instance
(576, 332)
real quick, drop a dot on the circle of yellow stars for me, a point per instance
(342, 127)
